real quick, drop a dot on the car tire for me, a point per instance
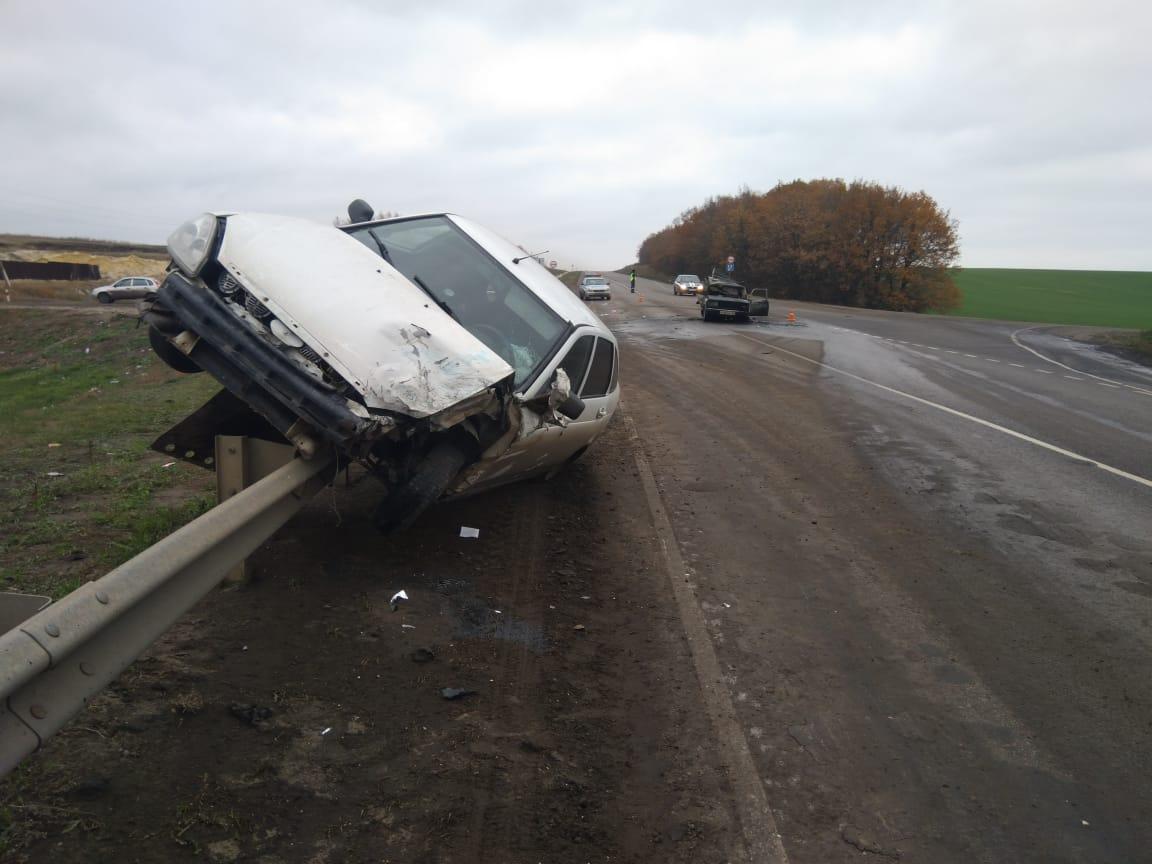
(104, 298)
(402, 507)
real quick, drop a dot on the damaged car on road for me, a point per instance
(426, 348)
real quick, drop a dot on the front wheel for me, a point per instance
(104, 298)
(402, 507)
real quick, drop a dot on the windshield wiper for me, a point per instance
(383, 249)
(435, 299)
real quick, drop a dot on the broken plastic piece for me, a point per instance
(326, 731)
(407, 626)
(454, 693)
(469, 532)
(54, 474)
(394, 603)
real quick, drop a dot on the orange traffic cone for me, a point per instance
(792, 318)
(639, 298)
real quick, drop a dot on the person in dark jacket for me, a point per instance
(632, 280)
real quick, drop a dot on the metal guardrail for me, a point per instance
(54, 662)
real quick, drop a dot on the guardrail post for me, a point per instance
(240, 462)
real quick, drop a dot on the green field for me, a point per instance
(1103, 298)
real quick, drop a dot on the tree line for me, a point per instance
(854, 244)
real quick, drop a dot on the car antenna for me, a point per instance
(533, 255)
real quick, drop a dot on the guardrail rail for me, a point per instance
(54, 662)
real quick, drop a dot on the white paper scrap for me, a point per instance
(469, 532)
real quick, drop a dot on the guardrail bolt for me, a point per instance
(38, 711)
(101, 597)
(51, 629)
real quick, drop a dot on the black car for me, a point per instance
(724, 299)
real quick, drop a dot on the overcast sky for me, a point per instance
(582, 131)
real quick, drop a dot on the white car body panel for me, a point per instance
(379, 331)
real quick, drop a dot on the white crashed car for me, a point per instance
(427, 348)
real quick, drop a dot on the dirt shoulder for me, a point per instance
(297, 718)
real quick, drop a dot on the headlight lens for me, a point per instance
(191, 243)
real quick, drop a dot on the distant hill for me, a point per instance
(80, 244)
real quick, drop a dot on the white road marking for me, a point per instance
(1106, 384)
(1020, 344)
(1119, 472)
(1044, 371)
(890, 340)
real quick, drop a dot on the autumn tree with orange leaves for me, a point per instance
(854, 244)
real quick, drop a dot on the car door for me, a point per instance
(592, 365)
(121, 289)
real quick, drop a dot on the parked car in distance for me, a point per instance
(687, 284)
(128, 288)
(595, 287)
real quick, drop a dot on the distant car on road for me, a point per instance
(687, 284)
(128, 288)
(595, 287)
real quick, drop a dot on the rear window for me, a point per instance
(600, 378)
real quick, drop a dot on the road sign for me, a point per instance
(552, 264)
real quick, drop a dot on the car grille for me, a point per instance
(722, 303)
(255, 308)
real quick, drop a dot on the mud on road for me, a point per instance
(298, 718)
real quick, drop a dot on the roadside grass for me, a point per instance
(1097, 298)
(81, 397)
(572, 278)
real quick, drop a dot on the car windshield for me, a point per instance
(472, 287)
(595, 281)
(688, 279)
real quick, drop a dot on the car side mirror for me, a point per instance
(562, 400)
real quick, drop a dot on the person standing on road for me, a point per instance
(632, 280)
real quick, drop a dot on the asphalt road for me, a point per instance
(870, 586)
(925, 544)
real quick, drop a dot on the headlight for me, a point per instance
(191, 243)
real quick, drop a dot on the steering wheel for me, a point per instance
(495, 340)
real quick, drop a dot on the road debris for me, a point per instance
(53, 444)
(394, 603)
(422, 655)
(250, 714)
(407, 626)
(54, 474)
(467, 532)
(326, 731)
(578, 627)
(454, 693)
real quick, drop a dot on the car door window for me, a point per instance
(600, 379)
(575, 362)
(123, 283)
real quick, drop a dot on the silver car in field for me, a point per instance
(128, 288)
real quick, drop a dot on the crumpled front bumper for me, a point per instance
(254, 370)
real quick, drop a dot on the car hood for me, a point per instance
(383, 334)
